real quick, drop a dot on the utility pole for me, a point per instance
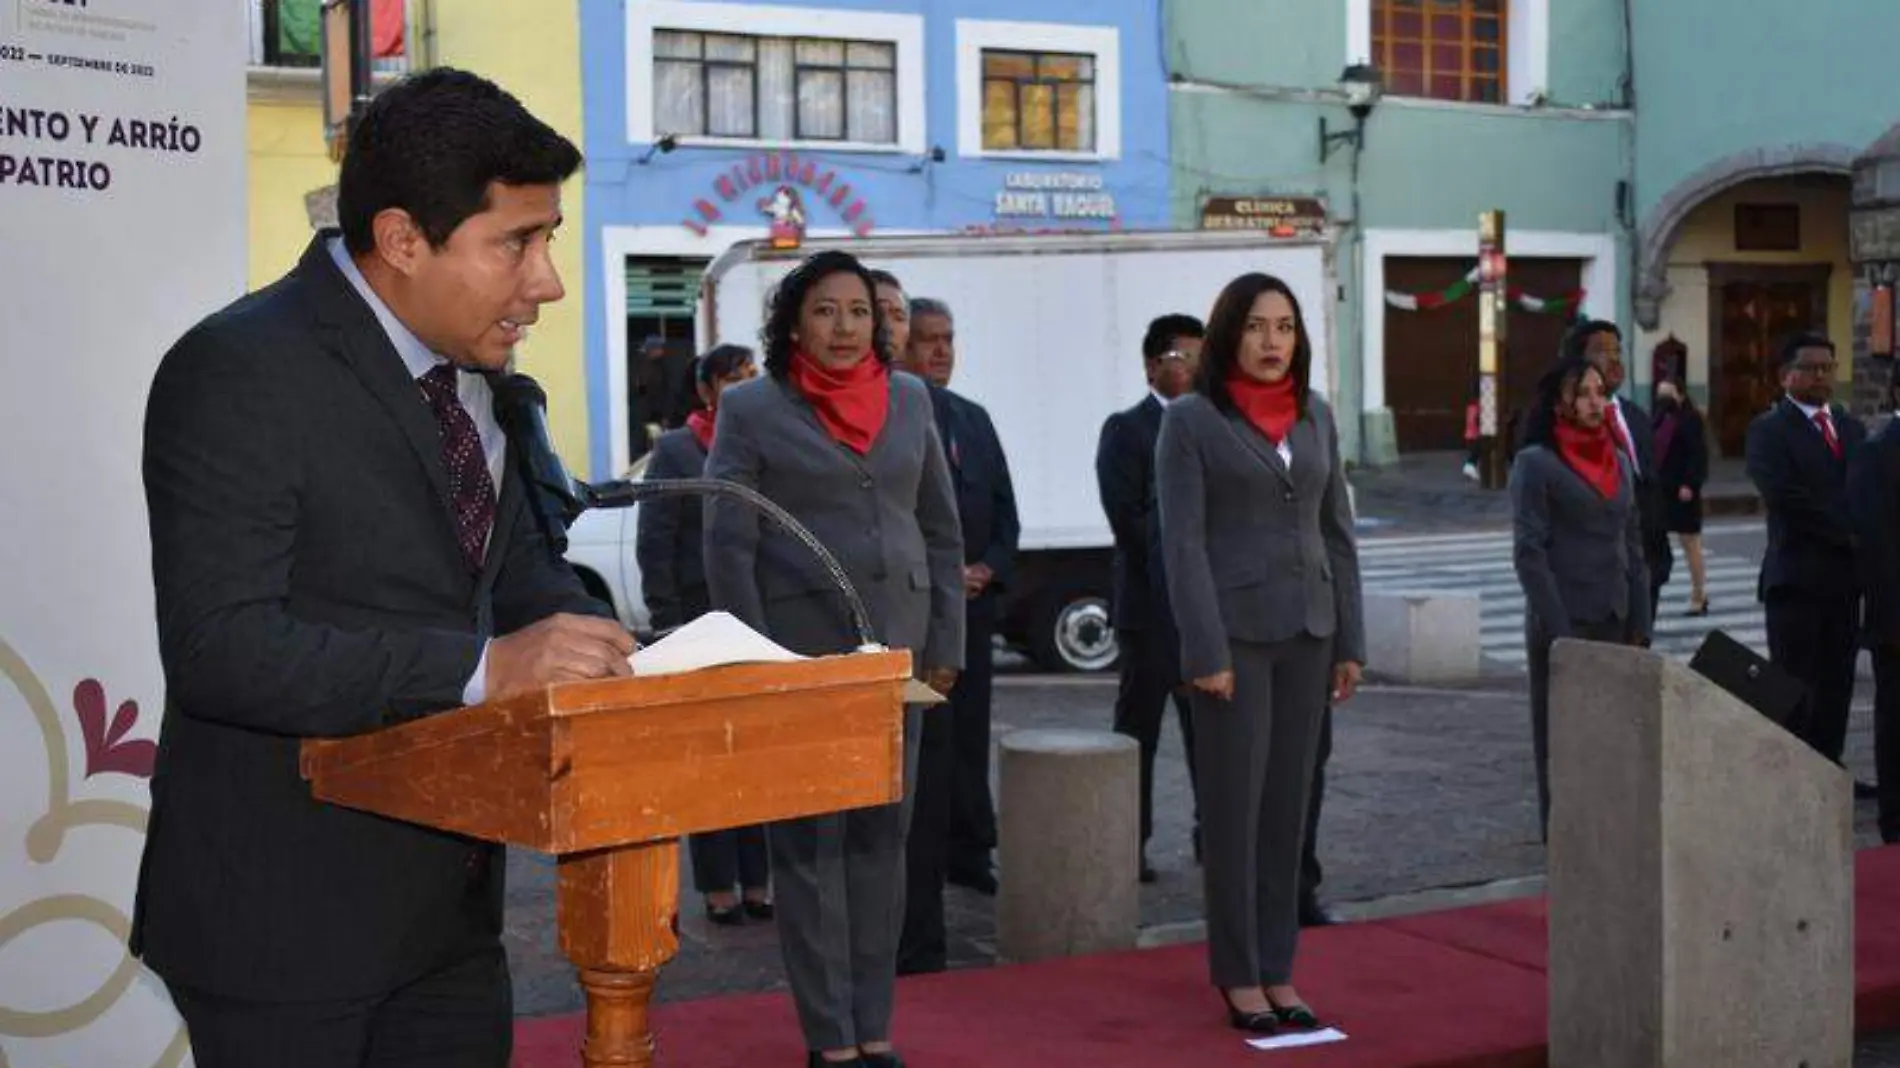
(346, 51)
(1494, 316)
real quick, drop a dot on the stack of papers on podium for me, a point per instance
(713, 639)
(719, 638)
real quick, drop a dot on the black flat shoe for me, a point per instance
(758, 910)
(1260, 1023)
(881, 1060)
(733, 916)
(815, 1059)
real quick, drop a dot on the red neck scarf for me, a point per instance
(701, 424)
(1270, 406)
(851, 403)
(1592, 454)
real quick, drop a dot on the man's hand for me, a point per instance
(1685, 494)
(1220, 685)
(560, 648)
(976, 579)
(1346, 675)
(942, 680)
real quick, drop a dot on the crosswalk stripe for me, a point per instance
(1480, 563)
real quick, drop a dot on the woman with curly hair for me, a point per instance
(851, 450)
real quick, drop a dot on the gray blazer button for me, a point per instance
(1289, 496)
(867, 484)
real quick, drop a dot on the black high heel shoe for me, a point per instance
(758, 910)
(730, 916)
(815, 1059)
(1300, 1016)
(887, 1059)
(1260, 1023)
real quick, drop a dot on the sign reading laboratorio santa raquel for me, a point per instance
(122, 222)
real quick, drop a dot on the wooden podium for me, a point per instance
(608, 775)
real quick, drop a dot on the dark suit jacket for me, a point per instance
(670, 539)
(309, 584)
(890, 517)
(1256, 551)
(1687, 462)
(1578, 556)
(986, 501)
(1811, 542)
(1649, 500)
(1125, 477)
(1873, 501)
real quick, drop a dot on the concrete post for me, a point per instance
(1700, 876)
(1068, 844)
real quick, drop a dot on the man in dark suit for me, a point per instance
(1144, 626)
(332, 555)
(1601, 343)
(1799, 452)
(986, 505)
(1873, 500)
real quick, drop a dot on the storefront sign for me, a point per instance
(1279, 216)
(1055, 195)
(783, 171)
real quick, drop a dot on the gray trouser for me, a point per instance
(1254, 757)
(839, 884)
(1537, 643)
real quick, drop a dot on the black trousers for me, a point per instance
(1537, 643)
(924, 944)
(459, 1016)
(1887, 739)
(1150, 676)
(732, 859)
(1310, 872)
(972, 832)
(1815, 638)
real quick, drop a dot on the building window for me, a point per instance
(774, 88)
(1040, 101)
(1443, 49)
(287, 33)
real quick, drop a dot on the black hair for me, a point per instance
(431, 144)
(1540, 423)
(720, 361)
(781, 316)
(1227, 324)
(885, 278)
(1165, 330)
(1805, 339)
(1577, 339)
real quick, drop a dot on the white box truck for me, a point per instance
(1048, 338)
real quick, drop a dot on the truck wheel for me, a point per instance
(1070, 630)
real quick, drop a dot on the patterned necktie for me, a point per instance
(471, 489)
(1826, 423)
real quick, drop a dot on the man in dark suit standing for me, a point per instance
(1144, 626)
(1799, 452)
(338, 545)
(986, 504)
(1601, 343)
(1873, 500)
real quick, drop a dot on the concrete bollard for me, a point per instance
(1423, 637)
(1069, 845)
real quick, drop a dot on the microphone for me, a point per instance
(558, 498)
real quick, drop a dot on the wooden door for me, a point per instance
(1753, 311)
(1431, 357)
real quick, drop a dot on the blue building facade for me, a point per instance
(709, 123)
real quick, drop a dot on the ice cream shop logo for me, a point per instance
(784, 174)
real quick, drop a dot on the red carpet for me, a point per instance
(1457, 988)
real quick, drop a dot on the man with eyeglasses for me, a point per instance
(1144, 627)
(1799, 452)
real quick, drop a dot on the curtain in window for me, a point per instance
(778, 99)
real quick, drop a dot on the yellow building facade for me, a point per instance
(533, 51)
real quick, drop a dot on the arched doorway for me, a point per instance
(1736, 259)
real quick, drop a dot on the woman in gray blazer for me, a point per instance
(669, 544)
(1577, 538)
(851, 450)
(1263, 576)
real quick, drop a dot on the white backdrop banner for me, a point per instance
(122, 222)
